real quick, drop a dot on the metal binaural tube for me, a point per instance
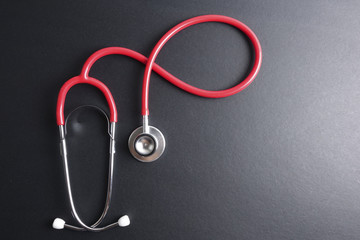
(63, 153)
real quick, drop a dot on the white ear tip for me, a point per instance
(58, 223)
(124, 221)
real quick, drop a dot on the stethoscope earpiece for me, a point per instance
(124, 221)
(146, 143)
(59, 223)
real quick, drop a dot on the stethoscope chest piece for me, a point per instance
(146, 146)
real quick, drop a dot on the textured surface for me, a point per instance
(279, 160)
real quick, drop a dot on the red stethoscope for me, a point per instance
(146, 143)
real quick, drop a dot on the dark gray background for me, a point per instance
(279, 160)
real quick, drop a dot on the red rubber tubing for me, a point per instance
(79, 80)
(191, 89)
(151, 65)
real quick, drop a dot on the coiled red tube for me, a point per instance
(191, 89)
(60, 119)
(151, 65)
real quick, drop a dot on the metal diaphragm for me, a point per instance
(146, 146)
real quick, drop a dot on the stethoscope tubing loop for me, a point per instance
(151, 65)
(80, 80)
(191, 89)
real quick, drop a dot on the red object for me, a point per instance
(151, 65)
(78, 80)
(191, 89)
